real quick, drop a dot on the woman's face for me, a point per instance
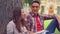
(22, 13)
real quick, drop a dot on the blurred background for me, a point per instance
(6, 7)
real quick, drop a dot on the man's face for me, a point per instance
(35, 8)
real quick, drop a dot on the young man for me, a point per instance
(36, 21)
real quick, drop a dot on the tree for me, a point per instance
(6, 7)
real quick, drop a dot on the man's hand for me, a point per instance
(30, 32)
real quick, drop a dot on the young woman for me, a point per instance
(18, 25)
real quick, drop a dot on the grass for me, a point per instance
(46, 23)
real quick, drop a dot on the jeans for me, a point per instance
(52, 26)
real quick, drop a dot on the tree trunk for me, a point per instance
(6, 14)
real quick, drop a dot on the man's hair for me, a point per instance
(35, 2)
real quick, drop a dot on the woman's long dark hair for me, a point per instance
(16, 14)
(17, 19)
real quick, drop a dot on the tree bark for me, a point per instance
(6, 7)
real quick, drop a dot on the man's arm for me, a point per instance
(55, 16)
(50, 16)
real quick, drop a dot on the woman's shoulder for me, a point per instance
(11, 23)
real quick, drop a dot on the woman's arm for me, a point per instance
(10, 28)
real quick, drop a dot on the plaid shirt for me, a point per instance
(30, 18)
